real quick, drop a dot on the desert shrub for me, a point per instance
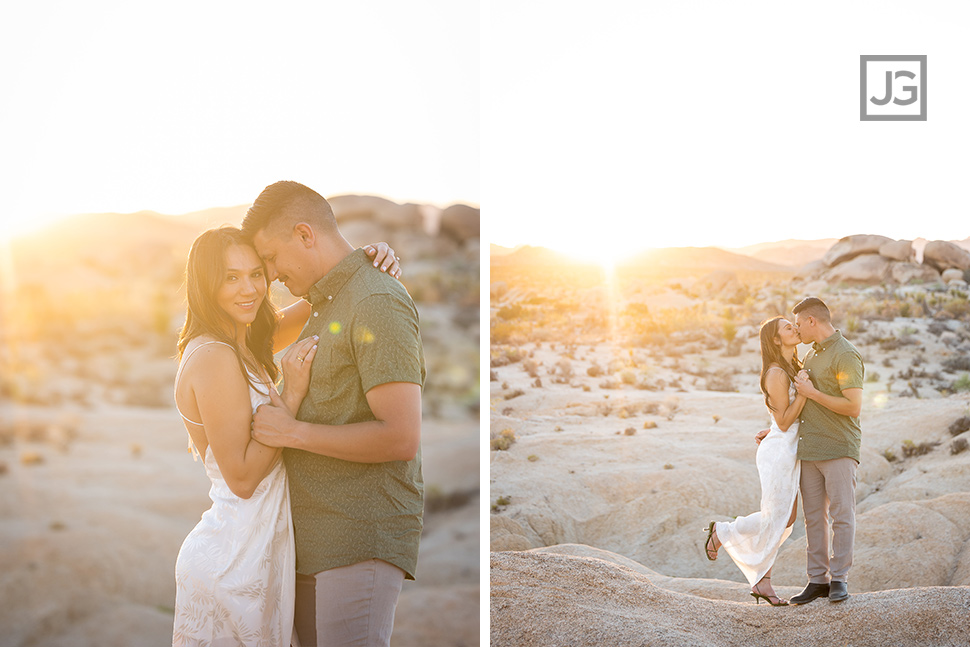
(514, 394)
(492, 376)
(651, 407)
(650, 424)
(586, 388)
(628, 376)
(872, 377)
(962, 383)
(531, 367)
(959, 425)
(537, 384)
(957, 308)
(629, 431)
(533, 458)
(889, 455)
(894, 343)
(954, 364)
(513, 311)
(505, 355)
(564, 371)
(609, 384)
(720, 382)
(594, 371)
(504, 333)
(959, 445)
(503, 441)
(912, 449)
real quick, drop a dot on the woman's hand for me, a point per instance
(296, 372)
(384, 257)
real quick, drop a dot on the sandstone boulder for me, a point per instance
(898, 250)
(869, 269)
(811, 270)
(538, 598)
(944, 255)
(851, 246)
(952, 275)
(461, 222)
(904, 273)
(349, 208)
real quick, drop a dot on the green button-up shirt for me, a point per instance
(346, 512)
(834, 365)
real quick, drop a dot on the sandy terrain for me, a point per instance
(95, 506)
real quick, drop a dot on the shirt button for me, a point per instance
(316, 314)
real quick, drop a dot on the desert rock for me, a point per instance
(944, 255)
(851, 246)
(952, 274)
(898, 250)
(904, 273)
(869, 269)
(544, 598)
(461, 222)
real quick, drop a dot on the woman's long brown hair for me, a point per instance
(205, 271)
(771, 354)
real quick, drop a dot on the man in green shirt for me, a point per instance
(829, 439)
(353, 449)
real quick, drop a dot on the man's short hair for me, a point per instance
(813, 307)
(282, 205)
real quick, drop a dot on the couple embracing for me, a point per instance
(813, 445)
(317, 494)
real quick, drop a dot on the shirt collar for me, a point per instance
(834, 337)
(333, 281)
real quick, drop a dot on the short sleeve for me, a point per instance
(386, 341)
(850, 371)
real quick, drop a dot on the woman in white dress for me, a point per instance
(235, 571)
(753, 541)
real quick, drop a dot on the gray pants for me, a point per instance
(828, 491)
(350, 605)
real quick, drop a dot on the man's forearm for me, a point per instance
(362, 442)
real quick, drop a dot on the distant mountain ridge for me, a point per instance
(782, 255)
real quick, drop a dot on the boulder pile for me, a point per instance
(872, 260)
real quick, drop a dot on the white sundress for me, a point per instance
(235, 573)
(753, 541)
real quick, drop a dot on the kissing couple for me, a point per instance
(813, 445)
(317, 493)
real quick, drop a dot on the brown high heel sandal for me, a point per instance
(767, 598)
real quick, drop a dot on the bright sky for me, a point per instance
(176, 106)
(650, 124)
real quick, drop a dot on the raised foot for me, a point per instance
(712, 543)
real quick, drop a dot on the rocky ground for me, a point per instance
(616, 438)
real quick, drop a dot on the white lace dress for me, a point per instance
(753, 541)
(235, 573)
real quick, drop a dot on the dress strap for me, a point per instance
(192, 448)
